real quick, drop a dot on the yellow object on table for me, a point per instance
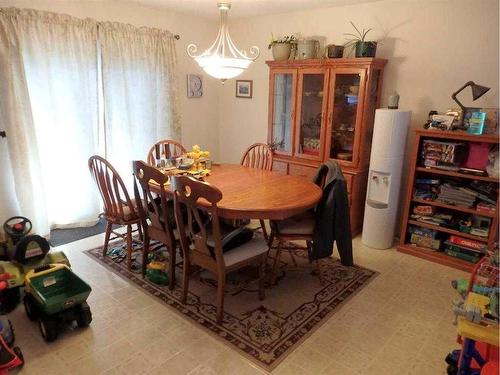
(478, 332)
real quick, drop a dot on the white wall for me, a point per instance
(199, 116)
(433, 47)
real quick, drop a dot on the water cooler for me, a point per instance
(384, 177)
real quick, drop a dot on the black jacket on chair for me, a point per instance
(332, 215)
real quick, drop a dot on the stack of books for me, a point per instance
(443, 155)
(426, 188)
(456, 195)
(465, 249)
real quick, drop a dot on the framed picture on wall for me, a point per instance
(194, 86)
(244, 89)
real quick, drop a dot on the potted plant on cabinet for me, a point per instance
(282, 47)
(362, 47)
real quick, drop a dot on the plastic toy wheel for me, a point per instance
(30, 308)
(84, 315)
(9, 298)
(48, 328)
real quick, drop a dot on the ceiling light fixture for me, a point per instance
(223, 60)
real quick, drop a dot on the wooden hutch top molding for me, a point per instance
(358, 61)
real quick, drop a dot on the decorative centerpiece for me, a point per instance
(199, 158)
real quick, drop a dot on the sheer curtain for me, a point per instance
(140, 98)
(49, 106)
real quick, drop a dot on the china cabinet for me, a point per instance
(323, 109)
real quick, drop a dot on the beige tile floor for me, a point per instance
(400, 324)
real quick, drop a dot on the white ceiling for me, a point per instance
(244, 8)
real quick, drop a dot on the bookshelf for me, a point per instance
(443, 233)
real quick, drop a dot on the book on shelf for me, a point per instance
(467, 243)
(427, 242)
(460, 255)
(424, 232)
(486, 207)
(428, 181)
(464, 249)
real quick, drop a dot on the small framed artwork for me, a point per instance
(194, 86)
(244, 89)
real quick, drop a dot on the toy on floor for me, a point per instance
(156, 273)
(10, 355)
(22, 252)
(54, 295)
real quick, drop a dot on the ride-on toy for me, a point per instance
(10, 355)
(22, 252)
(53, 295)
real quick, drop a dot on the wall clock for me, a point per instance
(194, 86)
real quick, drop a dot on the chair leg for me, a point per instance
(221, 283)
(276, 263)
(185, 280)
(139, 230)
(264, 229)
(129, 247)
(293, 258)
(145, 253)
(109, 226)
(309, 250)
(171, 269)
(318, 267)
(262, 274)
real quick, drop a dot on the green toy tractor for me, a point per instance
(55, 295)
(21, 253)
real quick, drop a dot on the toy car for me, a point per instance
(54, 295)
(23, 252)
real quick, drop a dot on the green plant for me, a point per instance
(287, 39)
(275, 144)
(360, 36)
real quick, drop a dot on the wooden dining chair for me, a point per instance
(296, 228)
(201, 241)
(166, 148)
(259, 156)
(119, 209)
(157, 212)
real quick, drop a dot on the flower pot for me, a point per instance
(281, 51)
(335, 52)
(366, 49)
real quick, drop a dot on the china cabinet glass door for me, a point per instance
(282, 109)
(310, 113)
(344, 120)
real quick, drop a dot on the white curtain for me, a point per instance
(140, 98)
(49, 108)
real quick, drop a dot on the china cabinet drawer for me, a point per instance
(280, 167)
(302, 170)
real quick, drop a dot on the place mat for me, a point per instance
(265, 331)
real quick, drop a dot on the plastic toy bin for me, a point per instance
(57, 289)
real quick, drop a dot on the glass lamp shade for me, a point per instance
(222, 68)
(223, 60)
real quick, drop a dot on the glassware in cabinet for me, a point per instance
(311, 109)
(283, 108)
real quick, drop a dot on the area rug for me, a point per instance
(264, 331)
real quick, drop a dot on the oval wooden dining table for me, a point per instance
(249, 193)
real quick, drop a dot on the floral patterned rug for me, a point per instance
(264, 331)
